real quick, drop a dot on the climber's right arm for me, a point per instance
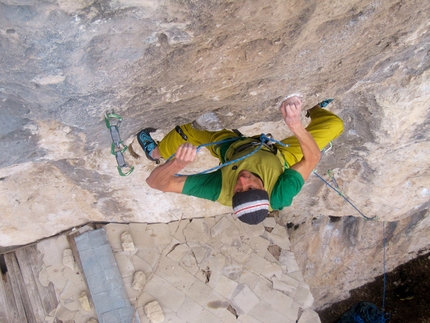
(163, 177)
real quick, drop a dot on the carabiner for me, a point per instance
(112, 116)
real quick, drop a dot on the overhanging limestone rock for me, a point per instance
(161, 63)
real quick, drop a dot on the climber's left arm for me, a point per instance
(291, 110)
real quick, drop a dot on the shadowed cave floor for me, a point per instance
(407, 294)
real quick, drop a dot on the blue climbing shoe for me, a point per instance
(322, 105)
(147, 143)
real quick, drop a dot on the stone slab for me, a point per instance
(103, 278)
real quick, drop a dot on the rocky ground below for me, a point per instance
(407, 294)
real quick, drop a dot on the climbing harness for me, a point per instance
(265, 140)
(118, 147)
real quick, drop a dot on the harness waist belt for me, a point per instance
(256, 142)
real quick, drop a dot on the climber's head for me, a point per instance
(250, 199)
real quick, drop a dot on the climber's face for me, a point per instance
(247, 181)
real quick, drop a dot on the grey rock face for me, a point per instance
(162, 63)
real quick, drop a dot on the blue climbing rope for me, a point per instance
(371, 316)
(344, 197)
(264, 140)
(385, 273)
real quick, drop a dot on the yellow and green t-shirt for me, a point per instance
(281, 183)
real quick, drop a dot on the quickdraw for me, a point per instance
(118, 147)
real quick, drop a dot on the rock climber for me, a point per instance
(266, 180)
